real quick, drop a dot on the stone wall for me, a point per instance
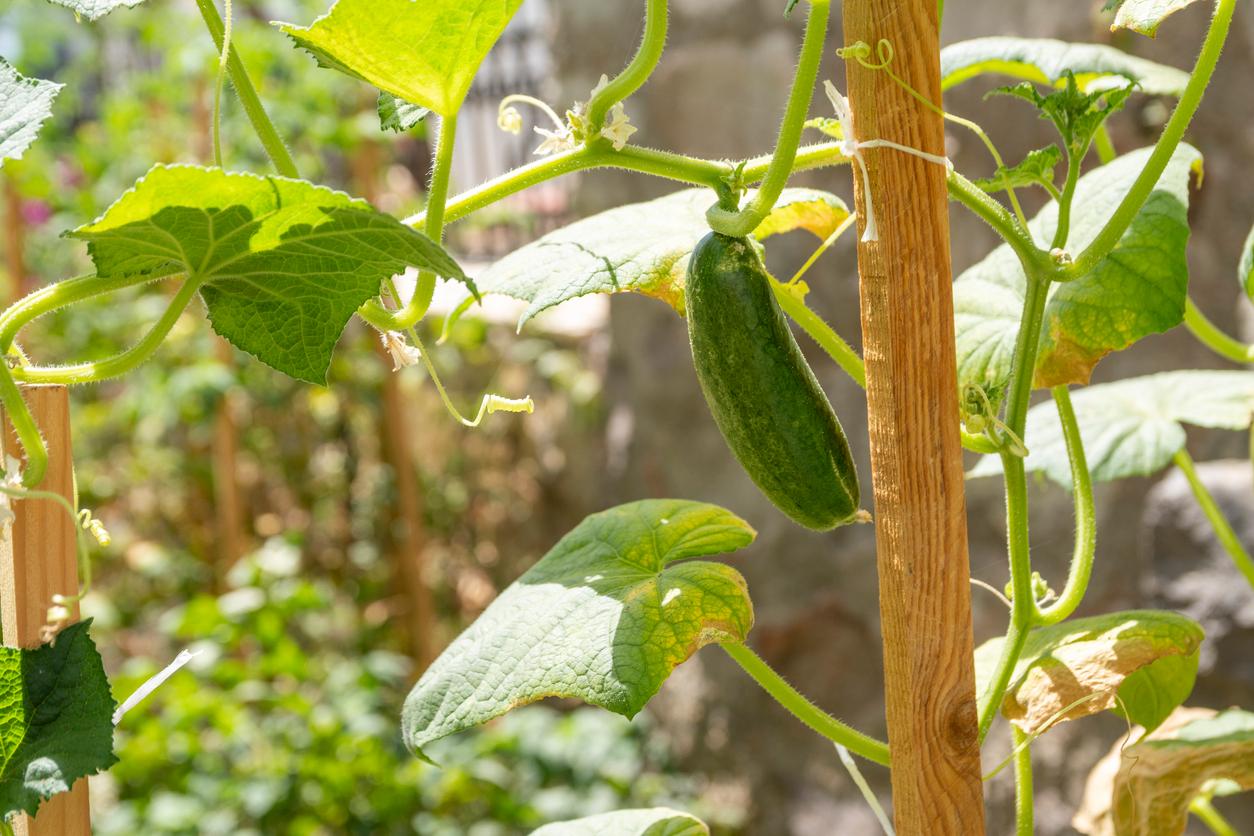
(719, 92)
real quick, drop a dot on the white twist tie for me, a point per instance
(153, 684)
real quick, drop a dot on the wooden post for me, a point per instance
(39, 561)
(916, 452)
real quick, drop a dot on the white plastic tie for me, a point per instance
(153, 683)
(852, 149)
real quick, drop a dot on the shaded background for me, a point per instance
(321, 543)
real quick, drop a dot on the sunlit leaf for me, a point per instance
(55, 719)
(1081, 667)
(399, 115)
(1137, 290)
(658, 821)
(95, 9)
(604, 617)
(284, 263)
(424, 52)
(1133, 427)
(1036, 169)
(25, 104)
(1144, 788)
(641, 248)
(1047, 61)
(1144, 16)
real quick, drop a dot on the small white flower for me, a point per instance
(554, 141)
(510, 120)
(601, 85)
(620, 129)
(403, 354)
(12, 472)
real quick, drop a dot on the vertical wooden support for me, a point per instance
(916, 452)
(39, 561)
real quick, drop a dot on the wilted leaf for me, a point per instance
(1137, 290)
(604, 617)
(285, 263)
(1133, 427)
(1145, 788)
(1047, 61)
(1080, 667)
(25, 104)
(1144, 16)
(426, 53)
(641, 247)
(55, 719)
(658, 821)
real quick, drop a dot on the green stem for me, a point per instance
(120, 364)
(808, 157)
(635, 74)
(1105, 148)
(821, 333)
(1212, 818)
(1023, 607)
(437, 197)
(6, 829)
(1172, 135)
(1023, 784)
(264, 128)
(1216, 340)
(24, 425)
(738, 224)
(55, 296)
(804, 710)
(1085, 516)
(1064, 203)
(1227, 537)
(996, 216)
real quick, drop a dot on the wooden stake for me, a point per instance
(41, 560)
(916, 452)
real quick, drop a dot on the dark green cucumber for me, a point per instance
(764, 398)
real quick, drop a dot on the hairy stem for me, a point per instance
(996, 216)
(1172, 135)
(1085, 516)
(1105, 148)
(738, 224)
(120, 364)
(1023, 784)
(264, 128)
(55, 296)
(635, 74)
(1064, 202)
(1223, 530)
(821, 333)
(1212, 818)
(804, 710)
(1216, 340)
(23, 422)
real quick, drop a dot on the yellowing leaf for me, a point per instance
(817, 212)
(1144, 789)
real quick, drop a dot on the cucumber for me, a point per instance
(760, 390)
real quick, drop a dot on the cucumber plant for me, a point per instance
(282, 264)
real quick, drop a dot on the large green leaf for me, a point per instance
(94, 9)
(640, 247)
(284, 263)
(1144, 788)
(1245, 269)
(605, 617)
(1087, 665)
(1133, 427)
(1144, 16)
(658, 821)
(25, 104)
(1047, 61)
(1137, 290)
(423, 52)
(55, 719)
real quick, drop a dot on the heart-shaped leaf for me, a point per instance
(1144, 16)
(25, 104)
(640, 247)
(1133, 427)
(1081, 667)
(1047, 61)
(1137, 290)
(423, 52)
(605, 617)
(284, 263)
(55, 719)
(658, 821)
(1145, 788)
